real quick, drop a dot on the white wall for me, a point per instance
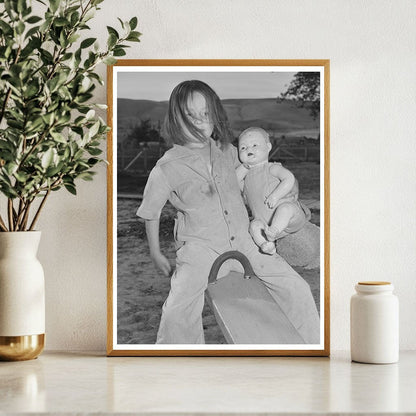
(371, 45)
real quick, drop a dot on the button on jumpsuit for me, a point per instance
(212, 219)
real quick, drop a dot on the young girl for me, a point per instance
(197, 175)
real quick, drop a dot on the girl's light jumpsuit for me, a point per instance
(211, 220)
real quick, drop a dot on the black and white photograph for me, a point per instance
(218, 220)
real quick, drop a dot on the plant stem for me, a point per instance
(10, 213)
(26, 216)
(39, 209)
(20, 213)
(3, 108)
(2, 224)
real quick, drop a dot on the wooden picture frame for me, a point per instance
(298, 126)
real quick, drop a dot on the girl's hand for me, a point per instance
(161, 263)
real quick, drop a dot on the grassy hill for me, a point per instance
(280, 118)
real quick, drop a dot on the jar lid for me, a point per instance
(370, 287)
(374, 283)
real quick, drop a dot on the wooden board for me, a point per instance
(247, 313)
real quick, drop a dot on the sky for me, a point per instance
(157, 86)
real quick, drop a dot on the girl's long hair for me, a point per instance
(177, 121)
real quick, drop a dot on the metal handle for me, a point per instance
(236, 255)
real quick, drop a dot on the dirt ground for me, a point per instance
(142, 290)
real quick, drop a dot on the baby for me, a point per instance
(267, 188)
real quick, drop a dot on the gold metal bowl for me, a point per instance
(20, 348)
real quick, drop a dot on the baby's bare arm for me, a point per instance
(286, 185)
(241, 172)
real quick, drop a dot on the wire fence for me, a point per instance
(140, 158)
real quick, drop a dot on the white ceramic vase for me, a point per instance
(22, 296)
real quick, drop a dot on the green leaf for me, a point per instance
(96, 77)
(121, 22)
(11, 168)
(33, 19)
(78, 130)
(64, 93)
(48, 118)
(87, 42)
(8, 190)
(21, 177)
(20, 28)
(32, 31)
(54, 4)
(74, 18)
(82, 98)
(94, 151)
(94, 129)
(90, 114)
(21, 5)
(16, 124)
(67, 153)
(52, 171)
(35, 125)
(63, 119)
(92, 161)
(47, 158)
(70, 188)
(31, 90)
(63, 41)
(4, 145)
(133, 23)
(86, 176)
(58, 137)
(61, 21)
(78, 154)
(28, 50)
(73, 38)
(67, 56)
(112, 41)
(82, 166)
(10, 7)
(89, 15)
(80, 120)
(134, 37)
(110, 60)
(119, 52)
(5, 28)
(53, 83)
(111, 30)
(46, 56)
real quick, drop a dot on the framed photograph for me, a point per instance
(218, 208)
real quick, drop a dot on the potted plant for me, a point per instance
(50, 136)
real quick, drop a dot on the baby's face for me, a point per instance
(253, 149)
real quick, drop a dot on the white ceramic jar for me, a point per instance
(374, 323)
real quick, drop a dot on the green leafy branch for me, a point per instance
(50, 134)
